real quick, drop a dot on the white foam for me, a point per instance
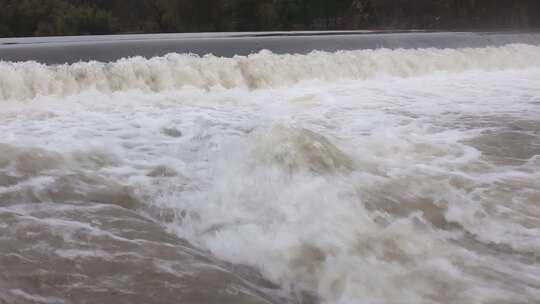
(371, 191)
(29, 79)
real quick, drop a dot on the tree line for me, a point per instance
(83, 17)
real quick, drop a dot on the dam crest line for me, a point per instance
(59, 50)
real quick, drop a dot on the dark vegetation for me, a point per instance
(79, 17)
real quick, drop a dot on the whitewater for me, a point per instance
(369, 176)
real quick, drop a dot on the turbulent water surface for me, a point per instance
(376, 176)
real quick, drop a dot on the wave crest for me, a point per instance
(26, 80)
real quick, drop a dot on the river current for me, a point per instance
(374, 176)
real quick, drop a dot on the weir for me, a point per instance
(404, 174)
(57, 50)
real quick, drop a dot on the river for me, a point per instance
(362, 176)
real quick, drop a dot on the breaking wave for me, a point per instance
(421, 188)
(26, 80)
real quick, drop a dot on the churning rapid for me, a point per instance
(372, 176)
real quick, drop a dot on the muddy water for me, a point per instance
(406, 176)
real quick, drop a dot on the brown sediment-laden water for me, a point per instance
(369, 176)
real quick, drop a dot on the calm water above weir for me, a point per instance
(369, 176)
